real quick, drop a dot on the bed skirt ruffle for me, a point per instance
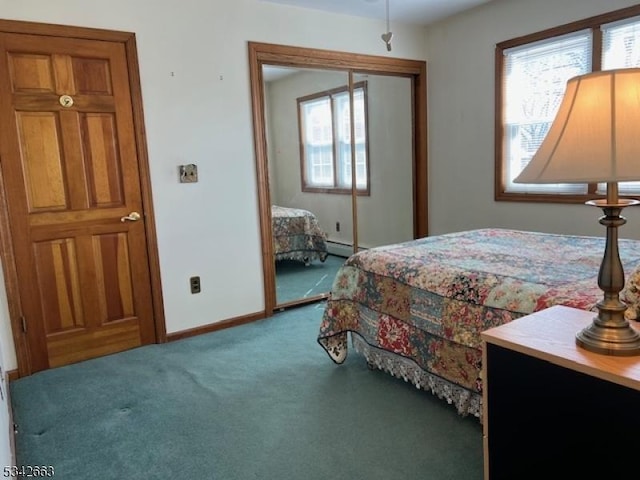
(466, 402)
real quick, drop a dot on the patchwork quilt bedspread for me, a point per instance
(416, 309)
(297, 235)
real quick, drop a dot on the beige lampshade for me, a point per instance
(595, 136)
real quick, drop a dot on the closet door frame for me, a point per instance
(289, 56)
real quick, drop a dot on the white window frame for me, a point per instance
(325, 161)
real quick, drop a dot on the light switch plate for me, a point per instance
(188, 173)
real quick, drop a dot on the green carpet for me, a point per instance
(258, 401)
(294, 280)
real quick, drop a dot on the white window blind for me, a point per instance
(326, 137)
(621, 49)
(535, 78)
(318, 141)
(344, 139)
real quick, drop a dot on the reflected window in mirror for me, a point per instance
(325, 140)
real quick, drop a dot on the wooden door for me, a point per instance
(71, 178)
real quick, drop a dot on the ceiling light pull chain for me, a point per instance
(386, 37)
(387, 5)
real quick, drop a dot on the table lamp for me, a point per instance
(595, 138)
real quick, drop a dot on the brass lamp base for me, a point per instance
(616, 341)
(610, 333)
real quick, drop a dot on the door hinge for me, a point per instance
(23, 322)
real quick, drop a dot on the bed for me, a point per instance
(416, 309)
(297, 235)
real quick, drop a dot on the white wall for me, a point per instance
(460, 61)
(202, 114)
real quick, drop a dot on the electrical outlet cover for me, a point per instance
(188, 173)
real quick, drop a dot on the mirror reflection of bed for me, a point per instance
(304, 267)
(383, 212)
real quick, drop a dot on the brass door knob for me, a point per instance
(132, 217)
(66, 101)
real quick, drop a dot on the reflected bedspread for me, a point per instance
(297, 235)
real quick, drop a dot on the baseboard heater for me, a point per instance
(341, 249)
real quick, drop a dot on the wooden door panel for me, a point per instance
(44, 178)
(30, 73)
(82, 345)
(102, 160)
(102, 276)
(59, 285)
(113, 276)
(92, 76)
(73, 174)
(73, 159)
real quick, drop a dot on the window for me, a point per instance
(621, 49)
(325, 139)
(532, 73)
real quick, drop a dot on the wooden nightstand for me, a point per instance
(554, 410)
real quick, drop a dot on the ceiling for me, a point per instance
(417, 12)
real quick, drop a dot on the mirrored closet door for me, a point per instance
(307, 183)
(306, 118)
(385, 213)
